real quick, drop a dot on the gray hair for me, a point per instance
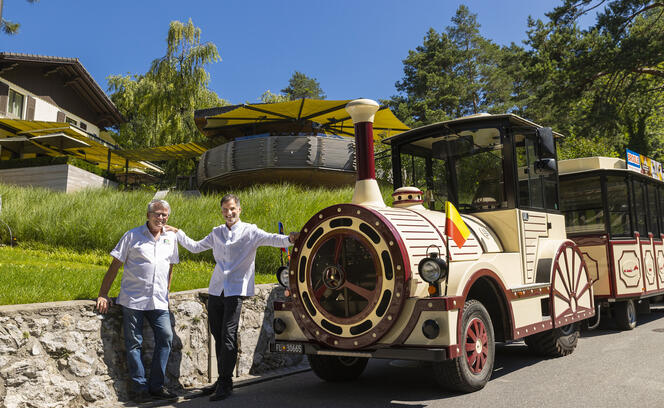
(229, 197)
(159, 203)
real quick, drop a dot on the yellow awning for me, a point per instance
(170, 152)
(97, 150)
(331, 116)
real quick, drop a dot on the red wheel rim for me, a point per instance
(477, 349)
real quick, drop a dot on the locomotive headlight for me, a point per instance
(432, 268)
(282, 276)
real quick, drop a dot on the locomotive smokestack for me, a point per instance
(366, 192)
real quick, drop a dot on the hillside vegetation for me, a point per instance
(94, 220)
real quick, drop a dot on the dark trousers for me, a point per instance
(224, 317)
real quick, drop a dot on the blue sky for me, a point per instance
(353, 48)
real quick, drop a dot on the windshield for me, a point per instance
(465, 167)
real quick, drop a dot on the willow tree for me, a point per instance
(159, 105)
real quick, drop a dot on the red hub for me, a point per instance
(476, 345)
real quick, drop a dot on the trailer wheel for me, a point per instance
(643, 307)
(337, 368)
(471, 371)
(558, 342)
(625, 314)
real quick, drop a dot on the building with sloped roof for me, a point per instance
(51, 107)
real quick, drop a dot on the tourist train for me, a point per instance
(370, 281)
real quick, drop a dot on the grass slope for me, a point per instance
(64, 239)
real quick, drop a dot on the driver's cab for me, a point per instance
(500, 168)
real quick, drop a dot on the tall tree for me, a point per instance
(455, 73)
(302, 86)
(7, 26)
(159, 105)
(603, 83)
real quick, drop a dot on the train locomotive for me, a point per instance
(370, 281)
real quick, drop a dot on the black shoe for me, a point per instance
(223, 391)
(209, 389)
(162, 393)
(139, 396)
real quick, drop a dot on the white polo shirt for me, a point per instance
(234, 252)
(146, 264)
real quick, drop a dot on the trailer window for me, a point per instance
(618, 206)
(640, 207)
(581, 203)
(652, 210)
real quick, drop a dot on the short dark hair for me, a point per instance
(229, 197)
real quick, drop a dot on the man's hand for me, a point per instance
(293, 236)
(103, 304)
(169, 228)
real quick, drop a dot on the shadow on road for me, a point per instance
(394, 383)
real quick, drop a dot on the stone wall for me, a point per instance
(64, 354)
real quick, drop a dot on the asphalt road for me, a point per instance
(609, 368)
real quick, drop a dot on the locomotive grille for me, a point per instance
(348, 277)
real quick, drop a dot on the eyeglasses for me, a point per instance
(158, 214)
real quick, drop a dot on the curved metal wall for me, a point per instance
(312, 160)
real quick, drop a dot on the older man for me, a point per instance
(148, 254)
(233, 245)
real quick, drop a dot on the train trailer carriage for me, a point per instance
(616, 217)
(370, 281)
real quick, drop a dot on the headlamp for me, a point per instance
(282, 276)
(432, 268)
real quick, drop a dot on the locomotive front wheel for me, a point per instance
(471, 371)
(625, 314)
(558, 342)
(337, 368)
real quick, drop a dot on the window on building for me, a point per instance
(83, 126)
(15, 105)
(71, 121)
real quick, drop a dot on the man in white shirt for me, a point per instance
(233, 245)
(148, 254)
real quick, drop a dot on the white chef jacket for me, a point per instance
(234, 252)
(146, 262)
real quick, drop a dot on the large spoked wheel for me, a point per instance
(471, 371)
(337, 368)
(558, 342)
(625, 315)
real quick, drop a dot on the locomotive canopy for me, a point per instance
(479, 162)
(371, 281)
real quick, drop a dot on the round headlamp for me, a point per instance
(432, 268)
(282, 276)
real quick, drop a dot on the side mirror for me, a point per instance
(546, 167)
(546, 146)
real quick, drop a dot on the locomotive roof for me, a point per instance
(480, 118)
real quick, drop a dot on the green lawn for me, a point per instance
(43, 274)
(64, 239)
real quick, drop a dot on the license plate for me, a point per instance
(289, 348)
